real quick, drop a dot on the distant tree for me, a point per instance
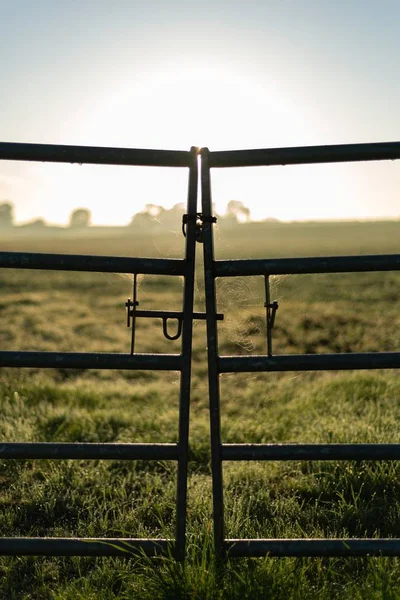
(6, 215)
(80, 218)
(147, 217)
(153, 210)
(150, 217)
(35, 224)
(156, 218)
(237, 211)
(154, 215)
(142, 220)
(172, 218)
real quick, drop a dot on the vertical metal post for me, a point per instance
(134, 300)
(186, 350)
(212, 352)
(268, 314)
(271, 308)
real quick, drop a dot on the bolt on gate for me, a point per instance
(268, 363)
(133, 361)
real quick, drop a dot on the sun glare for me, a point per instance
(196, 105)
(200, 105)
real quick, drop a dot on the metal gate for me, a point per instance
(198, 226)
(308, 362)
(133, 361)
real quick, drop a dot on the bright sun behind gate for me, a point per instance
(174, 109)
(218, 107)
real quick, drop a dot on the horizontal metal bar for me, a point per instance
(202, 316)
(94, 155)
(48, 450)
(84, 547)
(83, 360)
(310, 362)
(313, 547)
(172, 314)
(100, 264)
(310, 451)
(301, 266)
(305, 155)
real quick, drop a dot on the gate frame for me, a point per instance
(173, 362)
(222, 364)
(216, 364)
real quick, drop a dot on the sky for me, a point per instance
(221, 74)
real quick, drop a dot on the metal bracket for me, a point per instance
(271, 307)
(199, 219)
(165, 315)
(130, 313)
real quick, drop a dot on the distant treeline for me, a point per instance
(152, 216)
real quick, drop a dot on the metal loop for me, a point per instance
(165, 329)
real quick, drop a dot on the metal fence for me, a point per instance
(308, 362)
(133, 361)
(198, 227)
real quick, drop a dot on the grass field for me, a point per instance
(86, 312)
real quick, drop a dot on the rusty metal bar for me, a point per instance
(86, 360)
(307, 265)
(310, 452)
(125, 547)
(309, 362)
(100, 264)
(305, 155)
(313, 547)
(94, 155)
(88, 451)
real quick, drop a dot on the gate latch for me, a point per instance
(199, 219)
(133, 313)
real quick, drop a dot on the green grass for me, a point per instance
(86, 312)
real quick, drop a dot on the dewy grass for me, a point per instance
(62, 311)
